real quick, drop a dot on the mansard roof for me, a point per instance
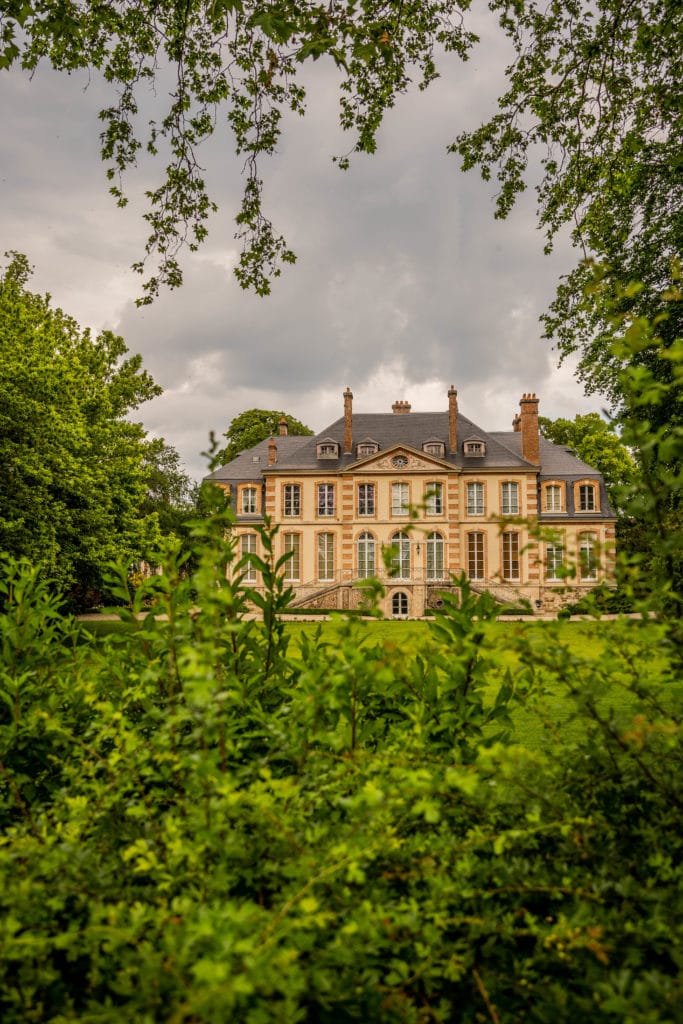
(414, 429)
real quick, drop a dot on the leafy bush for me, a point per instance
(197, 827)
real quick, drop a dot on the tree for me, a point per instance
(597, 89)
(241, 55)
(74, 474)
(253, 426)
(593, 440)
(171, 494)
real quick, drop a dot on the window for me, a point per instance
(434, 556)
(328, 450)
(553, 498)
(588, 556)
(292, 500)
(366, 448)
(366, 499)
(400, 561)
(475, 556)
(399, 499)
(510, 556)
(434, 499)
(554, 560)
(586, 498)
(474, 448)
(248, 501)
(366, 555)
(475, 499)
(325, 499)
(510, 499)
(248, 547)
(292, 542)
(399, 605)
(433, 448)
(325, 556)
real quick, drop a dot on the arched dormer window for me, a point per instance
(327, 449)
(474, 448)
(366, 447)
(434, 447)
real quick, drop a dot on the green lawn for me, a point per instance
(535, 724)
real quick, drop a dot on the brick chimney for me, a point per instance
(283, 426)
(400, 407)
(348, 421)
(517, 423)
(452, 419)
(528, 408)
(272, 452)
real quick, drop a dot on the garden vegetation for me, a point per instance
(200, 825)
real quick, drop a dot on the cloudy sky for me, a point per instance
(404, 282)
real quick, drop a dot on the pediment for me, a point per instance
(400, 459)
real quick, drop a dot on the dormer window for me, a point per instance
(365, 448)
(474, 448)
(434, 448)
(327, 450)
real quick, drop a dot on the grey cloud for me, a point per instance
(403, 273)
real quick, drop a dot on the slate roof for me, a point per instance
(556, 460)
(503, 450)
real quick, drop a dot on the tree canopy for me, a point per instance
(595, 90)
(74, 467)
(239, 58)
(592, 115)
(256, 425)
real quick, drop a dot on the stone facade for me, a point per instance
(417, 498)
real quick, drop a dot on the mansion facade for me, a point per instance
(414, 498)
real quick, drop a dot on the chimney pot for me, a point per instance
(284, 429)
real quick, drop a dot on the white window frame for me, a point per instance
(325, 500)
(554, 560)
(400, 499)
(325, 557)
(366, 499)
(400, 561)
(434, 499)
(366, 547)
(475, 499)
(291, 501)
(509, 498)
(556, 504)
(292, 542)
(588, 558)
(248, 547)
(249, 500)
(435, 556)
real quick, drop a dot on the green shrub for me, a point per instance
(199, 827)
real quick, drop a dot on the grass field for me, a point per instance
(535, 724)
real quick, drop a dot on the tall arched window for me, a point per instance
(588, 556)
(399, 605)
(435, 556)
(366, 555)
(400, 561)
